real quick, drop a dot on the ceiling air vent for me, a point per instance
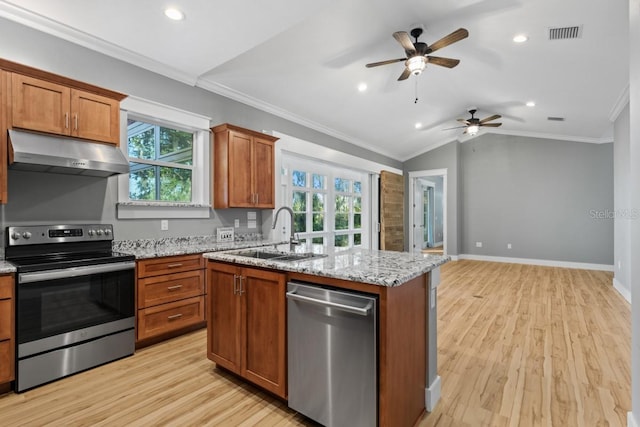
(555, 119)
(564, 33)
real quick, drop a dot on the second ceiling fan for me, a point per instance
(418, 53)
(472, 125)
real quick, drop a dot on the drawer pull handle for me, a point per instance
(177, 264)
(175, 316)
(173, 288)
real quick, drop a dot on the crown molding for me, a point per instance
(277, 111)
(49, 26)
(620, 104)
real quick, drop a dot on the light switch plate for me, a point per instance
(224, 234)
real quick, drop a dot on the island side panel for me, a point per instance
(403, 352)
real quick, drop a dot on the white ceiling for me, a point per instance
(303, 60)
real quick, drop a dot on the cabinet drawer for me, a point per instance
(6, 314)
(167, 265)
(6, 287)
(169, 288)
(170, 317)
(6, 362)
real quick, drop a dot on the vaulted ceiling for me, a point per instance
(304, 60)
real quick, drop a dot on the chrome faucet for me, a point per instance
(292, 239)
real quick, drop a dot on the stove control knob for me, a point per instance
(91, 232)
(26, 235)
(15, 235)
(99, 232)
(107, 232)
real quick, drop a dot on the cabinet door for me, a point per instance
(95, 117)
(240, 160)
(263, 173)
(263, 295)
(224, 322)
(40, 105)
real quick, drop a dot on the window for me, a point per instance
(161, 160)
(328, 204)
(168, 151)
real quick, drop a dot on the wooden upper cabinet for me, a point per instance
(95, 117)
(244, 167)
(46, 102)
(40, 105)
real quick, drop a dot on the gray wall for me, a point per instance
(45, 198)
(445, 157)
(542, 196)
(622, 204)
(634, 190)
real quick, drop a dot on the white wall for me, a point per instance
(634, 189)
(622, 206)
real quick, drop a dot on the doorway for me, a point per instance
(427, 211)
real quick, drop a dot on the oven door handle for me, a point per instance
(63, 273)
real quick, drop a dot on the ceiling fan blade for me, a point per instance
(389, 61)
(488, 119)
(456, 36)
(443, 62)
(403, 38)
(405, 74)
(457, 127)
(466, 122)
(491, 125)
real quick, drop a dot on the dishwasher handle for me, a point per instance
(364, 311)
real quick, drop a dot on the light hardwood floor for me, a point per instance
(518, 346)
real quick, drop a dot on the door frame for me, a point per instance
(413, 176)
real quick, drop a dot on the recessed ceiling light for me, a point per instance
(418, 125)
(173, 13)
(530, 104)
(362, 87)
(520, 38)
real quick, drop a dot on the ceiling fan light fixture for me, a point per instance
(416, 64)
(473, 130)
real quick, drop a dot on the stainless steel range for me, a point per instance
(74, 300)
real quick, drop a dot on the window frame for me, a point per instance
(291, 163)
(158, 114)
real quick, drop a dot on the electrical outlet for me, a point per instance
(224, 234)
(236, 223)
(478, 244)
(508, 245)
(164, 224)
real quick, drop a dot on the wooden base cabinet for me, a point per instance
(170, 295)
(7, 334)
(246, 324)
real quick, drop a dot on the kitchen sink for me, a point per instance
(279, 256)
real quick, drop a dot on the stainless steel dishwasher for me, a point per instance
(332, 355)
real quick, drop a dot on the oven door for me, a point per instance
(57, 308)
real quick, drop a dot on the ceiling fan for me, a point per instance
(473, 124)
(418, 52)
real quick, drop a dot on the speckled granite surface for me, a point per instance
(6, 267)
(153, 248)
(383, 268)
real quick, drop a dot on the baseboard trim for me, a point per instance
(432, 395)
(436, 244)
(631, 420)
(622, 290)
(454, 257)
(542, 262)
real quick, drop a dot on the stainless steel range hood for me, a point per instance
(47, 153)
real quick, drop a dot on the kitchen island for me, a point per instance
(247, 318)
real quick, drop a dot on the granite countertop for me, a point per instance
(154, 248)
(382, 268)
(6, 267)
